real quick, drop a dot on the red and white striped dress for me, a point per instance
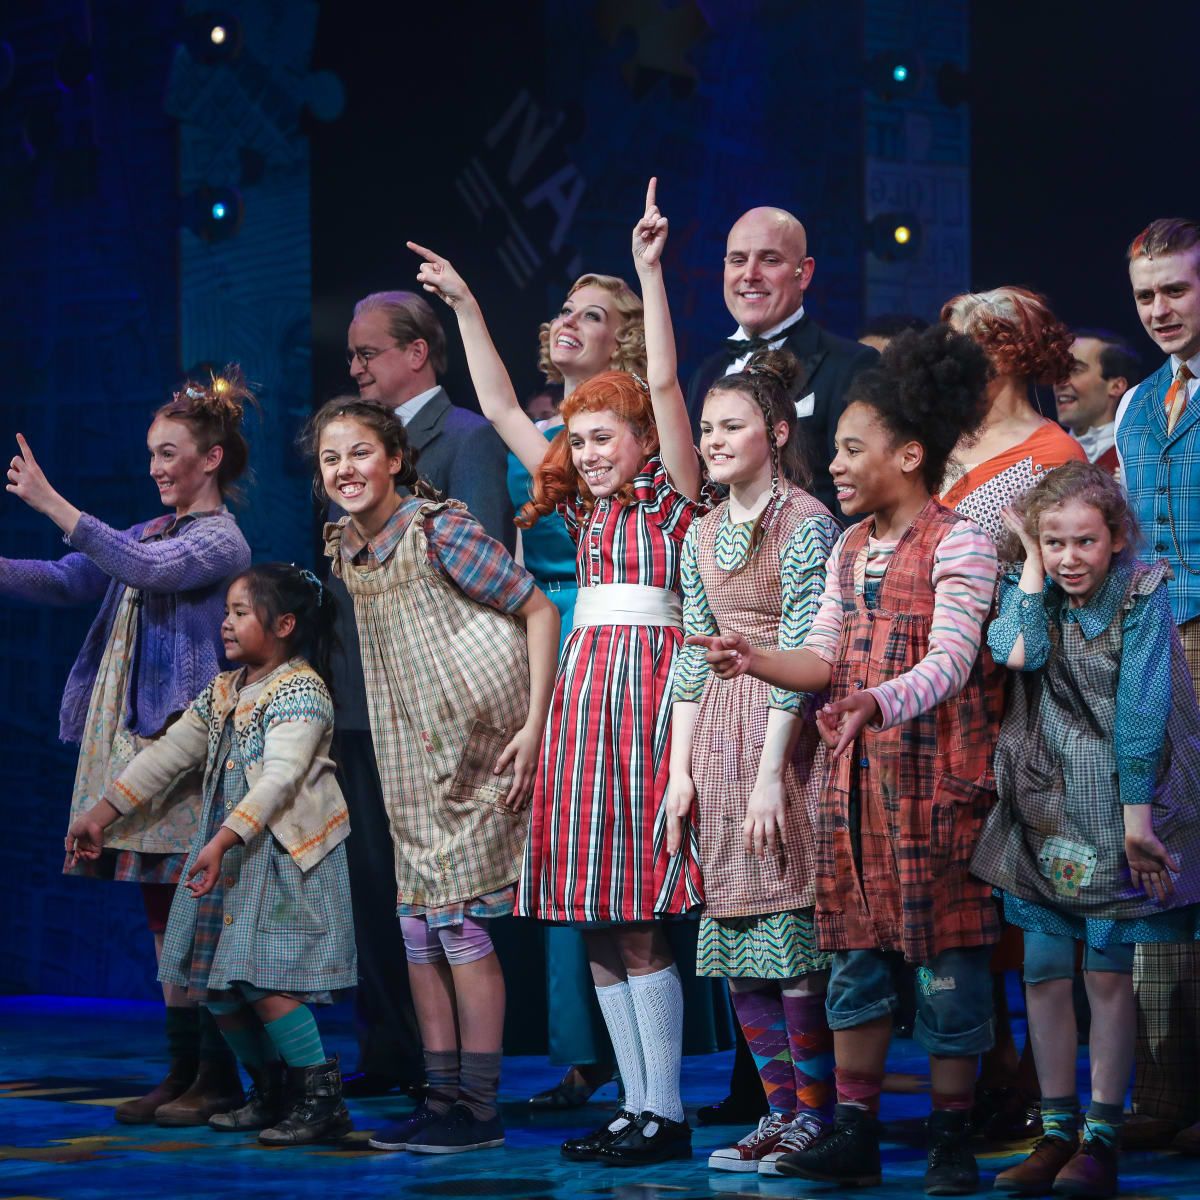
(597, 842)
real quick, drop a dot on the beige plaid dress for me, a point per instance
(447, 680)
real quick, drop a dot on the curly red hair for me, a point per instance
(1017, 330)
(556, 481)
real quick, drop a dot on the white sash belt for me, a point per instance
(627, 604)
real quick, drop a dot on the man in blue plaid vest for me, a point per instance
(1158, 441)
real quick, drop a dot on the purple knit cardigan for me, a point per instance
(182, 578)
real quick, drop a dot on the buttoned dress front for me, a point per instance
(447, 680)
(597, 839)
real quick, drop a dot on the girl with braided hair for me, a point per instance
(746, 756)
(458, 650)
(153, 645)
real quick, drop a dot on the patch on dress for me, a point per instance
(930, 984)
(1068, 865)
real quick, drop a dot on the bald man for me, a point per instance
(767, 272)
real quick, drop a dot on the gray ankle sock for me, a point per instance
(441, 1074)
(478, 1083)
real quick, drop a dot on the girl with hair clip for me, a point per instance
(1094, 838)
(458, 650)
(263, 927)
(625, 477)
(896, 642)
(153, 645)
(747, 755)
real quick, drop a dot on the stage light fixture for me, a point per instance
(214, 213)
(894, 236)
(894, 74)
(212, 36)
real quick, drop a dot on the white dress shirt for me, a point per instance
(769, 336)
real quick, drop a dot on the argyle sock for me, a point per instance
(761, 1014)
(811, 1043)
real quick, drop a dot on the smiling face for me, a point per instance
(1077, 548)
(767, 269)
(583, 336)
(244, 637)
(1166, 290)
(1087, 398)
(605, 450)
(184, 474)
(357, 472)
(733, 439)
(871, 464)
(386, 374)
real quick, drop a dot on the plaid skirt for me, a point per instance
(266, 923)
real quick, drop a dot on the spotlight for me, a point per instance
(213, 36)
(895, 74)
(894, 236)
(214, 214)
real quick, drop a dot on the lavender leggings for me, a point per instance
(459, 944)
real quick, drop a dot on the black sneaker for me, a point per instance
(847, 1154)
(952, 1169)
(457, 1132)
(585, 1148)
(396, 1135)
(650, 1139)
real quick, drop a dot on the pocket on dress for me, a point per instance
(955, 821)
(286, 905)
(473, 781)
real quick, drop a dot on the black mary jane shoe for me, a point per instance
(650, 1139)
(588, 1147)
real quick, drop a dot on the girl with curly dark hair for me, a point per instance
(896, 643)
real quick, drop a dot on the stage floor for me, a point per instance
(64, 1064)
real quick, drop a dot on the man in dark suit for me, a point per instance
(767, 272)
(396, 350)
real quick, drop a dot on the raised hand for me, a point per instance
(438, 276)
(27, 480)
(650, 233)
(728, 653)
(1015, 523)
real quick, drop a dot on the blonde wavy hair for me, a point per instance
(630, 354)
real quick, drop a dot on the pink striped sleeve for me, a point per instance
(826, 629)
(964, 582)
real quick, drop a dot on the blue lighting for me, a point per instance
(900, 73)
(218, 211)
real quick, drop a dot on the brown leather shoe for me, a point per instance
(1091, 1173)
(1141, 1132)
(216, 1089)
(141, 1111)
(1187, 1141)
(1035, 1176)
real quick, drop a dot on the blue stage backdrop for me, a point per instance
(156, 203)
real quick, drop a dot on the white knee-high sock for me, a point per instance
(616, 1007)
(658, 1003)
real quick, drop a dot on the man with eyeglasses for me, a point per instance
(396, 350)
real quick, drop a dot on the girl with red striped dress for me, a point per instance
(625, 476)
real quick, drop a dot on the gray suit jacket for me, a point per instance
(461, 455)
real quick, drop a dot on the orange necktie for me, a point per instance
(1176, 397)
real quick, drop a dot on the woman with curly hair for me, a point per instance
(1026, 345)
(153, 647)
(896, 643)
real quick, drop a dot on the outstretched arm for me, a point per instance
(670, 412)
(497, 400)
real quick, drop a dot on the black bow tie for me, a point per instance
(739, 347)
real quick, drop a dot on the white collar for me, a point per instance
(1193, 365)
(414, 404)
(770, 334)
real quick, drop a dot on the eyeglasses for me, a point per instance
(364, 354)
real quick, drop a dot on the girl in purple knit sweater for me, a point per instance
(153, 646)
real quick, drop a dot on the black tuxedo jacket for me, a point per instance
(827, 365)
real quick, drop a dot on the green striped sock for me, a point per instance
(1103, 1122)
(297, 1038)
(1060, 1117)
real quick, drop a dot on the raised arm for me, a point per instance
(497, 400)
(72, 579)
(670, 412)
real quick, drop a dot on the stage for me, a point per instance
(66, 1062)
